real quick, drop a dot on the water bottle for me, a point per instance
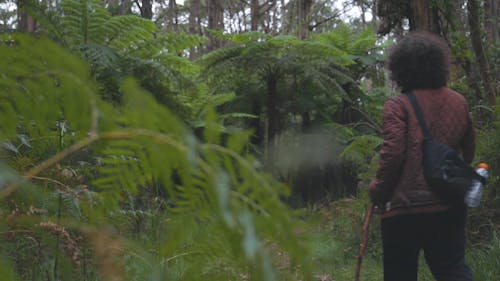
(475, 192)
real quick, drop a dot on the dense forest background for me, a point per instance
(216, 139)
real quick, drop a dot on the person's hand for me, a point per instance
(376, 197)
(373, 192)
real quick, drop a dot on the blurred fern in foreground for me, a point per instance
(128, 192)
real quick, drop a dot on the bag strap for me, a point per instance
(420, 116)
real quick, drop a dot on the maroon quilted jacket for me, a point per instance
(400, 184)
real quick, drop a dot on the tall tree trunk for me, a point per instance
(492, 8)
(492, 26)
(420, 16)
(275, 20)
(194, 25)
(125, 7)
(25, 23)
(363, 12)
(304, 10)
(172, 20)
(254, 15)
(285, 27)
(479, 52)
(424, 16)
(373, 10)
(147, 9)
(455, 20)
(215, 22)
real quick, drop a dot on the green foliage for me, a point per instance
(311, 74)
(335, 239)
(216, 213)
(362, 154)
(485, 261)
(119, 46)
(87, 22)
(24, 73)
(308, 74)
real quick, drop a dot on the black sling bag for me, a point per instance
(444, 169)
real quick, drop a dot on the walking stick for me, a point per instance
(364, 242)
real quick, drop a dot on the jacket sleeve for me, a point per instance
(393, 153)
(468, 142)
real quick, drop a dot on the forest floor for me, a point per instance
(335, 235)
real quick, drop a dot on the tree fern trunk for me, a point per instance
(272, 108)
(255, 123)
(306, 121)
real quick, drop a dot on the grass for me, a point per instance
(335, 235)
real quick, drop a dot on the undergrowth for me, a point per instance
(336, 237)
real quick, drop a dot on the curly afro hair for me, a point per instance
(419, 60)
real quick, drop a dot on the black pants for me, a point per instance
(441, 236)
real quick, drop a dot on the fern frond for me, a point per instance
(83, 20)
(99, 57)
(124, 33)
(364, 41)
(23, 77)
(211, 185)
(89, 22)
(177, 43)
(361, 149)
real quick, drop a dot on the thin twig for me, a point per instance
(50, 180)
(367, 124)
(61, 155)
(368, 118)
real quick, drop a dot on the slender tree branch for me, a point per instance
(367, 124)
(370, 120)
(138, 6)
(325, 20)
(61, 155)
(180, 255)
(50, 180)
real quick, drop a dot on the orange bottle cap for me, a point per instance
(483, 165)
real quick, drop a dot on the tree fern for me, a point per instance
(291, 72)
(120, 46)
(87, 21)
(212, 188)
(361, 153)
